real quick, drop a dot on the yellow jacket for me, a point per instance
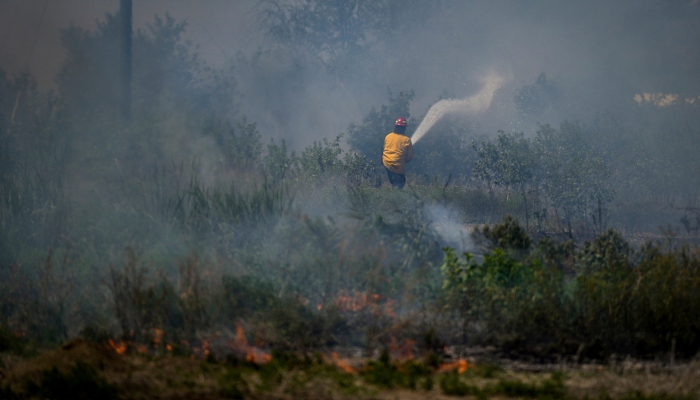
(398, 150)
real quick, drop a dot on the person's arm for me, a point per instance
(409, 151)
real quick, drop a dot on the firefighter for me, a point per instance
(398, 150)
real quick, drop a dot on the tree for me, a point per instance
(561, 165)
(174, 93)
(334, 34)
(342, 37)
(573, 176)
(509, 162)
(534, 99)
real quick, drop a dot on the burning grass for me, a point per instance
(82, 369)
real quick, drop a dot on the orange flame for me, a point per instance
(253, 354)
(118, 347)
(157, 336)
(257, 356)
(205, 347)
(460, 365)
(342, 364)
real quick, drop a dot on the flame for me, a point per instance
(157, 337)
(257, 356)
(253, 354)
(341, 363)
(205, 347)
(460, 365)
(119, 347)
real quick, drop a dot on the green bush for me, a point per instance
(551, 388)
(386, 374)
(606, 298)
(452, 385)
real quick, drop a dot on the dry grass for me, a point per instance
(164, 376)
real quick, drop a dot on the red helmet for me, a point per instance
(401, 122)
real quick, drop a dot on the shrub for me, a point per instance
(615, 300)
(320, 160)
(452, 385)
(278, 163)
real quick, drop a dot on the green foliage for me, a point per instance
(615, 300)
(573, 176)
(164, 68)
(452, 385)
(82, 381)
(232, 384)
(508, 162)
(332, 35)
(72, 171)
(319, 162)
(359, 169)
(37, 300)
(320, 159)
(558, 167)
(248, 294)
(386, 374)
(292, 324)
(444, 152)
(550, 388)
(488, 371)
(507, 235)
(144, 305)
(535, 99)
(609, 251)
(204, 210)
(513, 304)
(241, 147)
(277, 162)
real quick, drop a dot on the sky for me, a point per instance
(604, 54)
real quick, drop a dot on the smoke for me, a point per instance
(475, 104)
(453, 233)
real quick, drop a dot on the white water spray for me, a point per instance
(475, 104)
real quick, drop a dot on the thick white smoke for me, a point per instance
(475, 104)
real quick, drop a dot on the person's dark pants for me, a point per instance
(397, 180)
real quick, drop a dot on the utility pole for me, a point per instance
(125, 64)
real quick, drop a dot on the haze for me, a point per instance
(604, 53)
